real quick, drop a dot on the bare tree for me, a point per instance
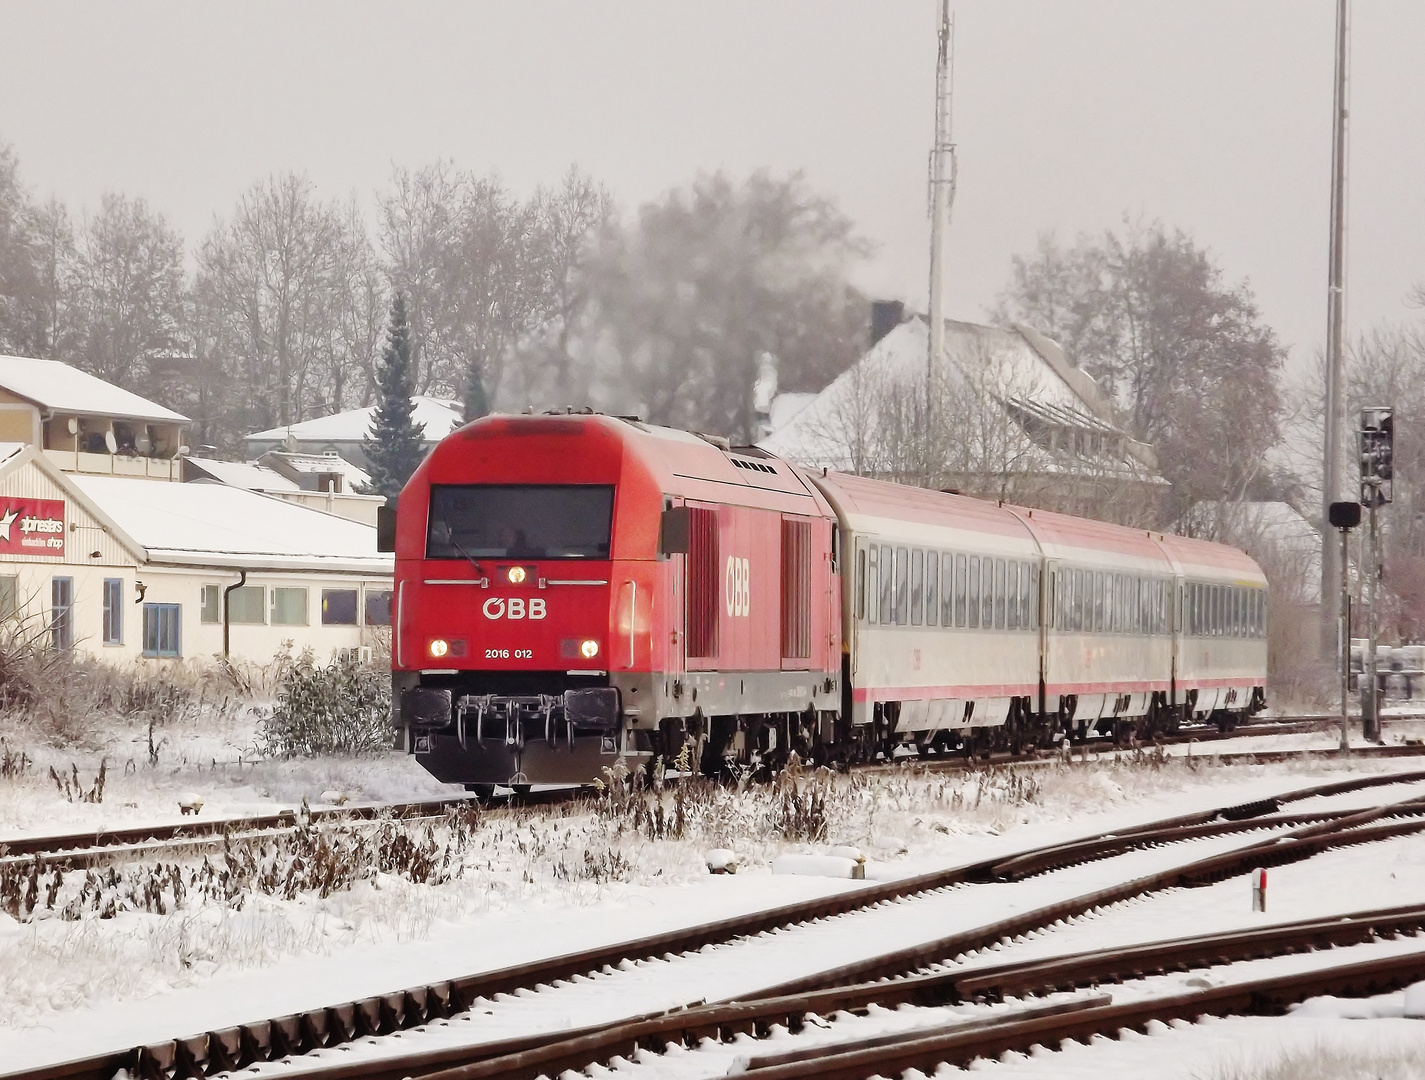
(273, 286)
(709, 279)
(126, 292)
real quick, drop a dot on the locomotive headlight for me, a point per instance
(516, 575)
(590, 648)
(439, 647)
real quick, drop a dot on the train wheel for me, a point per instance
(520, 789)
(482, 792)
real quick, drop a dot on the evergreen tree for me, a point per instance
(393, 448)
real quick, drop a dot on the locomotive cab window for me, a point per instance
(496, 521)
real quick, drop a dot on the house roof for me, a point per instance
(440, 417)
(217, 525)
(1023, 370)
(61, 388)
(316, 464)
(242, 474)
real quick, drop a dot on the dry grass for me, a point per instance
(1332, 1063)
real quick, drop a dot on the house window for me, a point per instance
(289, 607)
(378, 607)
(61, 624)
(245, 605)
(338, 607)
(210, 609)
(161, 626)
(113, 611)
(9, 593)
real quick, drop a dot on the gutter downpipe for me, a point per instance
(241, 581)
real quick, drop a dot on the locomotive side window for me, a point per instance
(917, 586)
(932, 583)
(888, 585)
(496, 521)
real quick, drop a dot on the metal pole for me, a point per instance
(1343, 631)
(1370, 718)
(942, 195)
(1333, 478)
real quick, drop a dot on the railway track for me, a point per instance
(82, 849)
(1293, 836)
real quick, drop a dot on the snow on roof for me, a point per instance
(842, 427)
(440, 417)
(58, 386)
(243, 474)
(315, 464)
(217, 525)
(9, 450)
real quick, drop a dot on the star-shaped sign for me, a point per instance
(5, 522)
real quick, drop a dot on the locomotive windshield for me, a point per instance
(546, 521)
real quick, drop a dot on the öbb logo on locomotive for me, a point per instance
(498, 607)
(737, 587)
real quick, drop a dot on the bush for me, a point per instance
(340, 708)
(67, 697)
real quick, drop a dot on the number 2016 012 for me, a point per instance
(504, 654)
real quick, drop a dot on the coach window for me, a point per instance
(902, 604)
(873, 584)
(987, 593)
(888, 584)
(962, 587)
(861, 583)
(973, 592)
(1001, 593)
(1011, 596)
(932, 587)
(1034, 596)
(917, 586)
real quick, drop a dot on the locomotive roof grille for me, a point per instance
(752, 466)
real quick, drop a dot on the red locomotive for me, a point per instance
(577, 590)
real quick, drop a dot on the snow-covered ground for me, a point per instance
(541, 882)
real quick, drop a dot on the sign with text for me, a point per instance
(32, 527)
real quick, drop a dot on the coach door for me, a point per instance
(1048, 591)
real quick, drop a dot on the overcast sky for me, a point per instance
(1211, 116)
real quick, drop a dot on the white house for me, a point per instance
(342, 433)
(127, 568)
(1005, 404)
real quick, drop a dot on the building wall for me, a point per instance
(92, 555)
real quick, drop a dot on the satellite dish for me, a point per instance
(73, 426)
(111, 444)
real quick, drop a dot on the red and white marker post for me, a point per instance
(1259, 889)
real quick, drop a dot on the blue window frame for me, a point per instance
(113, 611)
(162, 630)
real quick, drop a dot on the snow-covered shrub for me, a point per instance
(338, 708)
(66, 697)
